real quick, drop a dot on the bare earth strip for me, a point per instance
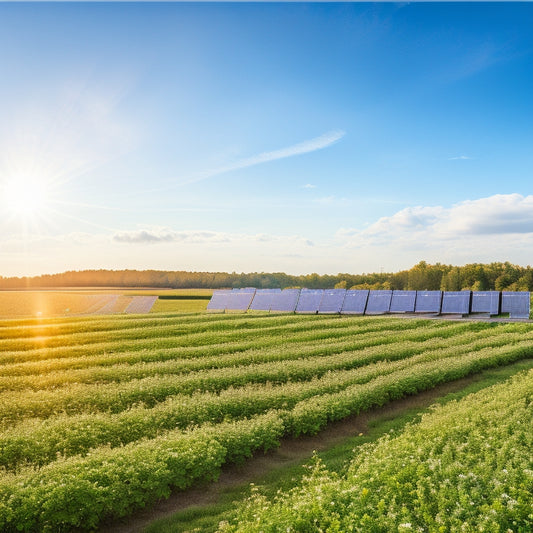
(291, 451)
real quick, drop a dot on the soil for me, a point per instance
(290, 451)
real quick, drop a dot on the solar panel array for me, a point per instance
(456, 302)
(516, 304)
(355, 302)
(263, 299)
(403, 302)
(285, 301)
(332, 301)
(371, 302)
(378, 302)
(428, 302)
(309, 301)
(487, 302)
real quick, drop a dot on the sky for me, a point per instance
(264, 137)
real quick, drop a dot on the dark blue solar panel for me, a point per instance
(285, 301)
(486, 302)
(516, 304)
(403, 302)
(378, 302)
(309, 300)
(332, 301)
(456, 302)
(428, 301)
(263, 299)
(354, 302)
(239, 300)
(218, 301)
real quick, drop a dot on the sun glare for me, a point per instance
(24, 197)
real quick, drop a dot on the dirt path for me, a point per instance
(290, 451)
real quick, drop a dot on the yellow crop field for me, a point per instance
(48, 303)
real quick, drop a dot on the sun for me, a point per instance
(24, 197)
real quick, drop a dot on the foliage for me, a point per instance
(465, 467)
(422, 276)
(101, 416)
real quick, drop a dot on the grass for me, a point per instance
(179, 305)
(206, 518)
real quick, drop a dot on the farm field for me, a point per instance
(164, 400)
(77, 302)
(466, 466)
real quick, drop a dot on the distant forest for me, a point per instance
(423, 276)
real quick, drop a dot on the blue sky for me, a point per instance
(264, 137)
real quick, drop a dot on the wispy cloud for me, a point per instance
(308, 186)
(459, 157)
(305, 147)
(161, 235)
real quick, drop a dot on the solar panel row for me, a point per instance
(371, 302)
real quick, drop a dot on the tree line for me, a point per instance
(422, 276)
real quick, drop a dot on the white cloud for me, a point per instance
(308, 186)
(493, 228)
(461, 157)
(154, 235)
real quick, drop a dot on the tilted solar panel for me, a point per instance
(332, 301)
(403, 302)
(285, 301)
(141, 304)
(262, 299)
(456, 302)
(486, 302)
(354, 302)
(218, 301)
(516, 304)
(309, 300)
(428, 301)
(239, 300)
(378, 302)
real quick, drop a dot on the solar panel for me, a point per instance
(141, 304)
(486, 302)
(403, 302)
(516, 304)
(309, 301)
(456, 302)
(354, 302)
(428, 301)
(285, 301)
(378, 302)
(332, 301)
(218, 301)
(239, 300)
(262, 299)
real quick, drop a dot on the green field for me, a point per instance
(466, 466)
(104, 415)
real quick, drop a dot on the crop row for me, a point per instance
(176, 328)
(43, 359)
(153, 339)
(81, 491)
(465, 467)
(115, 397)
(42, 375)
(40, 441)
